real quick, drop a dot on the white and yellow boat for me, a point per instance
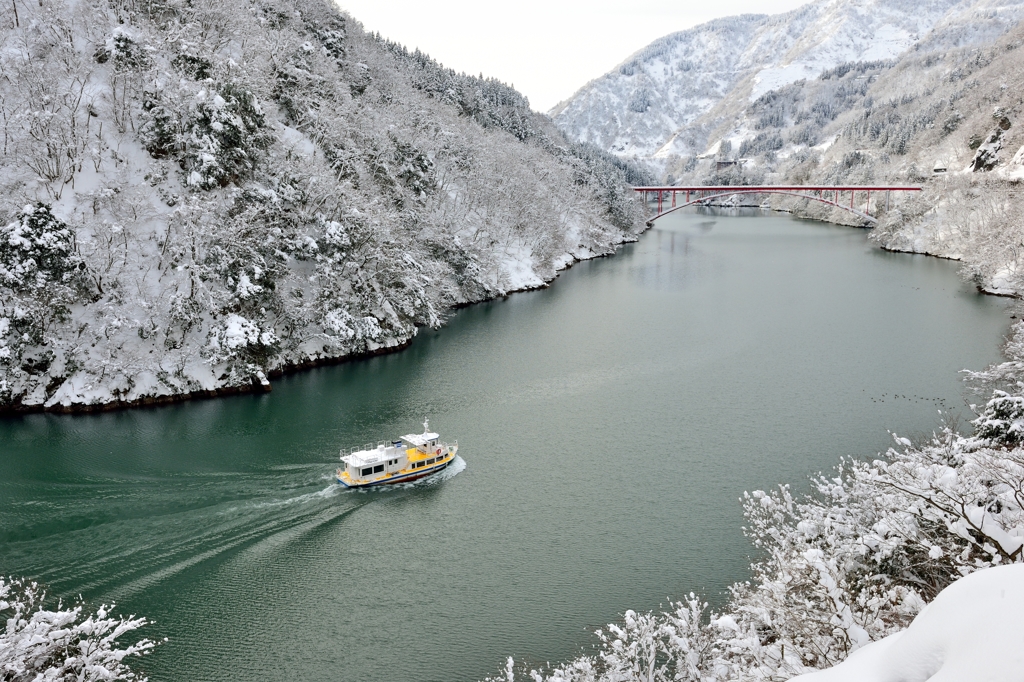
(400, 461)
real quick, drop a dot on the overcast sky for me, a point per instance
(548, 49)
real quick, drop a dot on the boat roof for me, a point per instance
(420, 439)
(364, 457)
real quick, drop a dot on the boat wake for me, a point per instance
(164, 527)
(327, 493)
(457, 466)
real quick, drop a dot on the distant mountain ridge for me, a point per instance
(665, 99)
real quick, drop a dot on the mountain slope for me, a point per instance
(949, 120)
(664, 100)
(196, 195)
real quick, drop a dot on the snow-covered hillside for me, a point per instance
(847, 92)
(196, 194)
(948, 120)
(970, 632)
(665, 100)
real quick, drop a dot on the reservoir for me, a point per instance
(608, 425)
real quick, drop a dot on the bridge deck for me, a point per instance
(769, 188)
(826, 194)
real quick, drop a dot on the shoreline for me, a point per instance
(770, 209)
(264, 386)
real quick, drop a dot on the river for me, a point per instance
(608, 425)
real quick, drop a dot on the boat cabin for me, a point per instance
(370, 462)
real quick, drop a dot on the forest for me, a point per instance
(197, 196)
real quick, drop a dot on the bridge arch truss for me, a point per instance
(832, 195)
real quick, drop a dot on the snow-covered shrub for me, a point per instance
(952, 122)
(5, 349)
(237, 338)
(1002, 420)
(360, 80)
(160, 130)
(262, 229)
(185, 314)
(196, 68)
(63, 644)
(37, 249)
(299, 86)
(343, 325)
(640, 101)
(413, 167)
(122, 51)
(330, 29)
(126, 53)
(224, 137)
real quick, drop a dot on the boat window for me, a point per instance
(429, 462)
(379, 468)
(367, 471)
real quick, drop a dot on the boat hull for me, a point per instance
(398, 478)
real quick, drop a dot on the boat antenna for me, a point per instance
(426, 425)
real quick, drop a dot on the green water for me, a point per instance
(608, 425)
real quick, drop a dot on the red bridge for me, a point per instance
(833, 195)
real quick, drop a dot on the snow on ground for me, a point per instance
(777, 76)
(971, 631)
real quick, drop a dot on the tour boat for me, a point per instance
(400, 461)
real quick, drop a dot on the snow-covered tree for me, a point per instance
(62, 643)
(37, 250)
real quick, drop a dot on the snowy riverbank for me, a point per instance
(79, 394)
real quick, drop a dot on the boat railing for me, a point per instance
(385, 444)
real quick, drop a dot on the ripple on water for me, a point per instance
(611, 421)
